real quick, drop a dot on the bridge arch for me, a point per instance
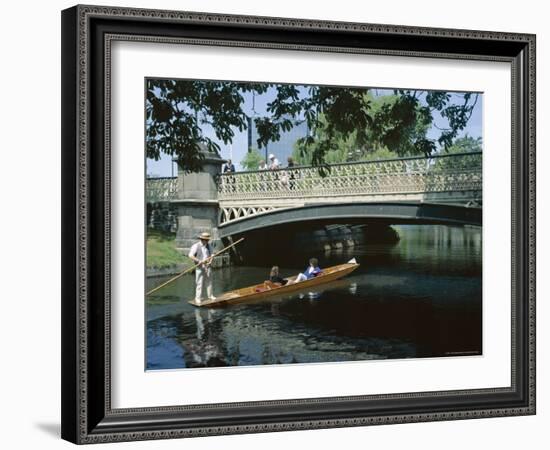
(388, 212)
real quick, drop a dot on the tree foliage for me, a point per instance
(252, 159)
(392, 133)
(466, 144)
(178, 112)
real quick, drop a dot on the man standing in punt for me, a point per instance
(201, 252)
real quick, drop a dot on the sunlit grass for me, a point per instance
(162, 252)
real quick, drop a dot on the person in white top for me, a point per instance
(201, 252)
(273, 162)
(311, 271)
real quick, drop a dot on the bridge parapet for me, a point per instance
(441, 173)
(451, 178)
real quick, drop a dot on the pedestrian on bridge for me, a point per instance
(274, 182)
(273, 162)
(229, 167)
(291, 174)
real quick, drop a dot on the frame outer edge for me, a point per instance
(532, 143)
(297, 23)
(69, 264)
(76, 234)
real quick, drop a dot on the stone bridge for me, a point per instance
(438, 189)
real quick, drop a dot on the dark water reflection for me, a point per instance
(420, 297)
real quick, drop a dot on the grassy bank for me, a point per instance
(161, 251)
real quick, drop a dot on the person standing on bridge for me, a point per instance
(201, 252)
(273, 162)
(274, 177)
(291, 173)
(229, 167)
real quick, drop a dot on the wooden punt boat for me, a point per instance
(267, 289)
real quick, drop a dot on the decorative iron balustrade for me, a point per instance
(233, 213)
(441, 173)
(161, 189)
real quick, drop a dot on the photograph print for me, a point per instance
(297, 223)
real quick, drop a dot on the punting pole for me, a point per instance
(194, 267)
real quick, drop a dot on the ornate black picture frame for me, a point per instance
(87, 414)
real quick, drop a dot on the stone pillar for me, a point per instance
(197, 204)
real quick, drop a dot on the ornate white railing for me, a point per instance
(161, 189)
(441, 173)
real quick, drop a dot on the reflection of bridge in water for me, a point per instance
(444, 189)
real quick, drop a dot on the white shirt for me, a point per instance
(274, 163)
(200, 251)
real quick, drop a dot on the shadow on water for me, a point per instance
(420, 297)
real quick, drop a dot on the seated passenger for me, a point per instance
(311, 272)
(275, 279)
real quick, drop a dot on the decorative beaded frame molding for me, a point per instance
(87, 34)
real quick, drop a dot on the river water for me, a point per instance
(420, 297)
